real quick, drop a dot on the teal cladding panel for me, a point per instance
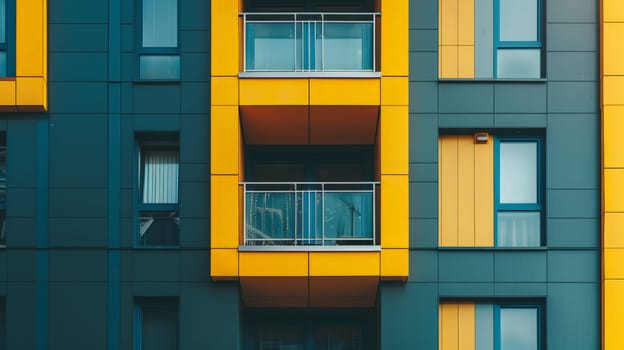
(484, 326)
(484, 36)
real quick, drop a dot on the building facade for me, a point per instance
(310, 174)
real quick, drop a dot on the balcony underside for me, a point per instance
(309, 125)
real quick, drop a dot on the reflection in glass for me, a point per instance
(270, 46)
(159, 67)
(159, 228)
(270, 216)
(518, 20)
(519, 63)
(348, 46)
(3, 64)
(518, 329)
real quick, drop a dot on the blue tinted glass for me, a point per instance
(518, 329)
(348, 215)
(159, 67)
(160, 23)
(270, 217)
(3, 64)
(348, 46)
(2, 21)
(518, 172)
(519, 63)
(270, 46)
(518, 20)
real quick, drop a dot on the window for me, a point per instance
(481, 42)
(492, 326)
(3, 189)
(310, 330)
(156, 324)
(5, 37)
(159, 57)
(518, 207)
(158, 165)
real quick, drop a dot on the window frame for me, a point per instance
(497, 321)
(155, 303)
(151, 51)
(498, 44)
(152, 142)
(519, 207)
(8, 47)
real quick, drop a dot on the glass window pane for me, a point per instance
(159, 67)
(518, 172)
(518, 229)
(518, 329)
(160, 228)
(348, 217)
(270, 217)
(519, 63)
(160, 176)
(3, 64)
(334, 337)
(348, 46)
(278, 337)
(160, 23)
(518, 20)
(270, 47)
(2, 21)
(159, 328)
(3, 174)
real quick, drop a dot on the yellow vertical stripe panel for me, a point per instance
(484, 194)
(613, 314)
(224, 140)
(465, 62)
(224, 211)
(224, 41)
(448, 216)
(466, 191)
(394, 211)
(448, 25)
(613, 119)
(465, 22)
(448, 62)
(466, 321)
(449, 327)
(613, 229)
(394, 37)
(394, 140)
(29, 29)
(614, 190)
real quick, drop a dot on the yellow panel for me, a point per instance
(613, 10)
(614, 230)
(466, 321)
(613, 55)
(447, 188)
(614, 190)
(394, 264)
(263, 92)
(225, 38)
(613, 314)
(394, 37)
(394, 211)
(224, 140)
(224, 211)
(362, 92)
(7, 92)
(273, 264)
(30, 91)
(612, 136)
(448, 62)
(466, 192)
(465, 22)
(484, 194)
(224, 91)
(224, 263)
(448, 22)
(612, 90)
(29, 38)
(344, 263)
(614, 263)
(465, 58)
(394, 91)
(394, 140)
(449, 327)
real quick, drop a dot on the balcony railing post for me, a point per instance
(245, 214)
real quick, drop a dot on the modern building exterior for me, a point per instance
(311, 174)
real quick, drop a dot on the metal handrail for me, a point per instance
(296, 18)
(301, 188)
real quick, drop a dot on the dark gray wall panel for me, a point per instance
(156, 265)
(195, 266)
(520, 98)
(408, 316)
(77, 232)
(20, 232)
(466, 97)
(22, 201)
(195, 233)
(77, 265)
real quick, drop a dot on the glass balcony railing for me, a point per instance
(309, 42)
(310, 213)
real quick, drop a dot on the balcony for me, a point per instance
(310, 43)
(310, 213)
